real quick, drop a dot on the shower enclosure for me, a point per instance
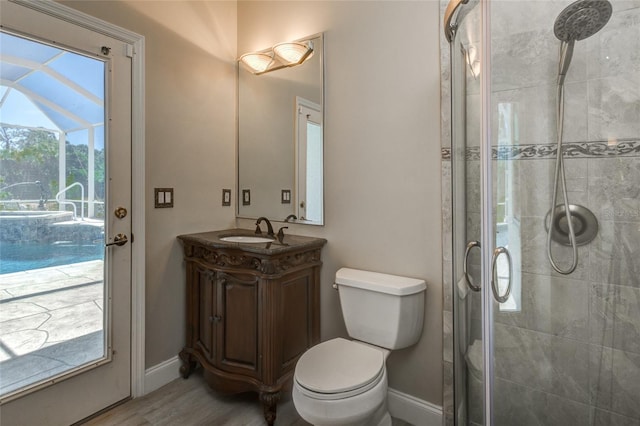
(533, 343)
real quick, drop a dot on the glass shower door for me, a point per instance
(535, 346)
(466, 211)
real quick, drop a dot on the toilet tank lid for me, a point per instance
(383, 283)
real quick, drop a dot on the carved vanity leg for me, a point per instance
(269, 405)
(188, 364)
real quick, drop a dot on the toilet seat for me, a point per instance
(338, 369)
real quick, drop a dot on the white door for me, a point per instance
(103, 377)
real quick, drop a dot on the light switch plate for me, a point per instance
(285, 197)
(246, 197)
(226, 197)
(163, 197)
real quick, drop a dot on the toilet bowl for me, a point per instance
(344, 382)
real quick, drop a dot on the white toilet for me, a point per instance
(344, 382)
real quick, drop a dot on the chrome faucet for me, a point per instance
(269, 227)
(291, 216)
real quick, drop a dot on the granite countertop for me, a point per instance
(288, 243)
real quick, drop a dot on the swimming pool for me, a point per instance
(16, 257)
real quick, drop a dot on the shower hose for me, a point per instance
(566, 51)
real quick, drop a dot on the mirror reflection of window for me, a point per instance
(309, 176)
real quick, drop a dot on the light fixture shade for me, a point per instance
(291, 53)
(257, 62)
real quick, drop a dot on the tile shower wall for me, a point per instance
(575, 338)
(571, 354)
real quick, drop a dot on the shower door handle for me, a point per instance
(494, 274)
(467, 277)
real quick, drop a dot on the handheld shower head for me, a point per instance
(579, 20)
(582, 19)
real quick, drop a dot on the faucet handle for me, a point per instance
(291, 216)
(258, 230)
(281, 233)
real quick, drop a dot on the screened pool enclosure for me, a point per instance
(51, 114)
(52, 194)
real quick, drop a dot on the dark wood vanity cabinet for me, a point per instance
(251, 312)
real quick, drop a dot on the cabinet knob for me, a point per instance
(215, 318)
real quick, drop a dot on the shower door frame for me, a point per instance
(487, 239)
(487, 225)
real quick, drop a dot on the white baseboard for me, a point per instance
(413, 410)
(161, 374)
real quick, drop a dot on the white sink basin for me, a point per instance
(246, 239)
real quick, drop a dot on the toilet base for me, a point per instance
(383, 415)
(380, 418)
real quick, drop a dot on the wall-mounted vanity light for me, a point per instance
(257, 62)
(281, 55)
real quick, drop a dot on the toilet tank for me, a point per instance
(381, 309)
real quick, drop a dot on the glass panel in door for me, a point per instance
(466, 210)
(52, 193)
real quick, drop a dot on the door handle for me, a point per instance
(467, 277)
(494, 277)
(118, 240)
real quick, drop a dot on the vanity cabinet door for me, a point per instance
(206, 300)
(238, 331)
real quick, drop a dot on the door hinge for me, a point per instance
(130, 50)
(132, 238)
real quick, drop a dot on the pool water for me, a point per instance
(17, 257)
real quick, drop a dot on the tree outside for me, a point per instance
(29, 164)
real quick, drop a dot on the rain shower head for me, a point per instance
(582, 19)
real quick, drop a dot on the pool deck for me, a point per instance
(50, 321)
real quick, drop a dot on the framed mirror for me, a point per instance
(280, 139)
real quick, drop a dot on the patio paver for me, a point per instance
(50, 321)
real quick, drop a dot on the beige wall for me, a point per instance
(190, 140)
(382, 153)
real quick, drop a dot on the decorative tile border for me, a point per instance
(599, 149)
